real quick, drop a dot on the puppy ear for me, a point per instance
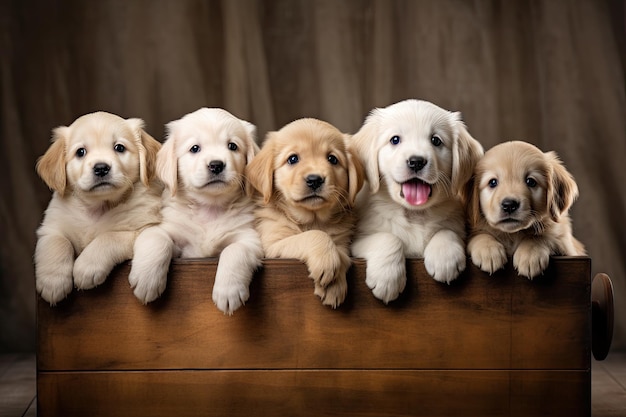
(465, 154)
(260, 171)
(364, 144)
(51, 165)
(356, 174)
(253, 148)
(471, 201)
(562, 188)
(167, 161)
(148, 149)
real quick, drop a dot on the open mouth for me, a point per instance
(416, 192)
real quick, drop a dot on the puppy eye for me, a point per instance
(80, 152)
(531, 182)
(394, 140)
(493, 183)
(293, 159)
(232, 146)
(436, 140)
(333, 159)
(119, 148)
(194, 149)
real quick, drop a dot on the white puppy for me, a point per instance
(206, 210)
(100, 168)
(417, 158)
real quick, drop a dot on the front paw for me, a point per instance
(89, 273)
(444, 259)
(531, 260)
(54, 287)
(487, 254)
(147, 287)
(229, 296)
(324, 267)
(386, 281)
(334, 294)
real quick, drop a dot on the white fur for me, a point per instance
(205, 214)
(390, 228)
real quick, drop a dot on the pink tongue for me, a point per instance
(415, 193)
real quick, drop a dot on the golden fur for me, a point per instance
(518, 204)
(206, 208)
(100, 168)
(417, 157)
(308, 181)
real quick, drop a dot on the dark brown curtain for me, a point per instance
(549, 72)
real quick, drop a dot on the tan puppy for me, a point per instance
(100, 168)
(206, 209)
(518, 206)
(417, 157)
(308, 181)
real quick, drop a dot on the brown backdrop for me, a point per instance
(549, 72)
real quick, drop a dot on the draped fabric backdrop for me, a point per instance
(549, 72)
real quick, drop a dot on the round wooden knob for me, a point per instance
(601, 315)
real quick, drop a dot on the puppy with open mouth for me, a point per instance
(307, 181)
(518, 203)
(206, 208)
(417, 158)
(101, 169)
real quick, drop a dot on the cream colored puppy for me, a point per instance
(206, 209)
(100, 168)
(417, 157)
(518, 206)
(307, 180)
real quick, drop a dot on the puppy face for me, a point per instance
(99, 156)
(306, 164)
(206, 153)
(422, 153)
(518, 186)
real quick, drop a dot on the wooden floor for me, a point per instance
(18, 388)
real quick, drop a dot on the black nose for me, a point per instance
(314, 181)
(509, 206)
(415, 163)
(216, 167)
(101, 169)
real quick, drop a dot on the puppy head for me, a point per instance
(307, 165)
(99, 156)
(518, 186)
(205, 154)
(422, 153)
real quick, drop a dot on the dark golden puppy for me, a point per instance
(518, 206)
(308, 181)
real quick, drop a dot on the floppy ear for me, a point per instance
(364, 144)
(148, 149)
(167, 161)
(356, 175)
(253, 148)
(51, 165)
(471, 201)
(465, 154)
(260, 171)
(562, 188)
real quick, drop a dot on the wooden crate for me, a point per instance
(485, 345)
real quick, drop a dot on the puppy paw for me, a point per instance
(228, 297)
(386, 281)
(54, 287)
(444, 257)
(325, 267)
(333, 294)
(487, 253)
(88, 274)
(147, 287)
(531, 259)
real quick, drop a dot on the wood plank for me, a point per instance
(477, 322)
(315, 393)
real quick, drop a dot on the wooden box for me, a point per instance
(497, 345)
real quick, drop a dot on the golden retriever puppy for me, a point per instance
(206, 208)
(417, 158)
(518, 206)
(100, 168)
(308, 181)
